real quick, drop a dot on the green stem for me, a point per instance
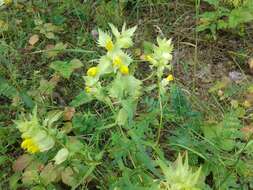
(161, 111)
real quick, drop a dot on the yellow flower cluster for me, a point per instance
(117, 62)
(115, 59)
(29, 145)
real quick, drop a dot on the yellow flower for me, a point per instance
(7, 2)
(124, 70)
(92, 71)
(87, 89)
(170, 77)
(148, 58)
(109, 45)
(246, 104)
(29, 145)
(117, 61)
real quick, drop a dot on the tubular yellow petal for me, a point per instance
(109, 45)
(117, 61)
(124, 70)
(33, 149)
(7, 2)
(30, 146)
(26, 143)
(148, 58)
(92, 71)
(170, 78)
(87, 89)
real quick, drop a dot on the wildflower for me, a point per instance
(170, 77)
(148, 58)
(117, 61)
(109, 45)
(180, 175)
(29, 145)
(36, 139)
(124, 70)
(105, 40)
(7, 2)
(87, 89)
(92, 72)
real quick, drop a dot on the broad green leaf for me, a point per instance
(68, 177)
(53, 51)
(61, 156)
(27, 99)
(30, 177)
(213, 2)
(6, 89)
(240, 16)
(80, 99)
(65, 68)
(48, 174)
(14, 180)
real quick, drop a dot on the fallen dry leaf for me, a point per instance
(68, 113)
(247, 131)
(33, 39)
(22, 162)
(250, 62)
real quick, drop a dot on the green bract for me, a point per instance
(179, 175)
(161, 56)
(32, 129)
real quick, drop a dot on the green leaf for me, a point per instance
(64, 68)
(14, 180)
(213, 2)
(240, 16)
(27, 99)
(49, 174)
(148, 47)
(81, 99)
(61, 156)
(68, 177)
(6, 89)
